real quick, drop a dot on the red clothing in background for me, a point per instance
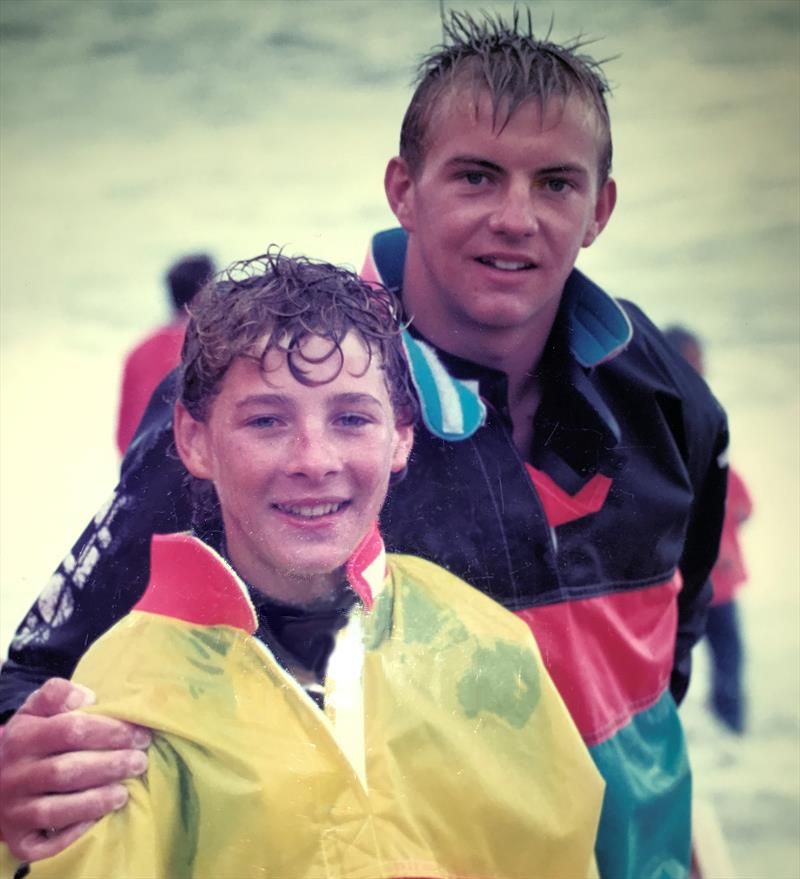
(145, 366)
(729, 572)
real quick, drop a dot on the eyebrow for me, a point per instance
(263, 400)
(563, 169)
(354, 399)
(350, 398)
(476, 161)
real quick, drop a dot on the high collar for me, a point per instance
(597, 327)
(590, 329)
(192, 582)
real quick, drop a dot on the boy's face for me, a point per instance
(301, 472)
(496, 220)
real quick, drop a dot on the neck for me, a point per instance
(297, 591)
(472, 331)
(516, 351)
(299, 597)
(285, 586)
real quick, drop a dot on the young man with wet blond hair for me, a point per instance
(570, 466)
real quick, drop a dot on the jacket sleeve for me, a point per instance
(699, 429)
(707, 441)
(107, 570)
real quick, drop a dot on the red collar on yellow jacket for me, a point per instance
(189, 581)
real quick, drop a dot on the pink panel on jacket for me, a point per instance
(610, 656)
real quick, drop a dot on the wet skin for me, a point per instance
(301, 471)
(496, 219)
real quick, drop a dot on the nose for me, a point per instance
(314, 453)
(514, 214)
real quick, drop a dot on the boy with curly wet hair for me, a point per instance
(320, 707)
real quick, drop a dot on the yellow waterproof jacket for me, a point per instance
(444, 750)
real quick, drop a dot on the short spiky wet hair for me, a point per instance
(272, 302)
(512, 65)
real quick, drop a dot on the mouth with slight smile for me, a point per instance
(506, 265)
(311, 511)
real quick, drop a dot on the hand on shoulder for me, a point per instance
(61, 769)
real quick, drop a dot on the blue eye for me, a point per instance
(263, 421)
(558, 184)
(350, 419)
(474, 178)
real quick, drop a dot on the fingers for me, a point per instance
(47, 803)
(58, 812)
(64, 817)
(44, 844)
(29, 736)
(69, 773)
(56, 696)
(60, 769)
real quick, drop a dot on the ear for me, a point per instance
(192, 442)
(604, 207)
(398, 183)
(404, 440)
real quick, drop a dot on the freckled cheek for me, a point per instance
(247, 469)
(370, 462)
(375, 474)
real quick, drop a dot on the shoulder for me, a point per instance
(164, 341)
(419, 580)
(650, 360)
(152, 340)
(653, 355)
(152, 442)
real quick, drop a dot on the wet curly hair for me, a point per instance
(273, 302)
(513, 65)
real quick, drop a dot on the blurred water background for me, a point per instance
(136, 130)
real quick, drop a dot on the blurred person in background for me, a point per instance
(158, 353)
(723, 629)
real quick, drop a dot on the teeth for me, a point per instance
(310, 512)
(507, 264)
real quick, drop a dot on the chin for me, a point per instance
(322, 567)
(504, 319)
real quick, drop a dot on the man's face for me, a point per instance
(301, 472)
(496, 220)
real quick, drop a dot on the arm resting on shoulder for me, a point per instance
(61, 769)
(145, 839)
